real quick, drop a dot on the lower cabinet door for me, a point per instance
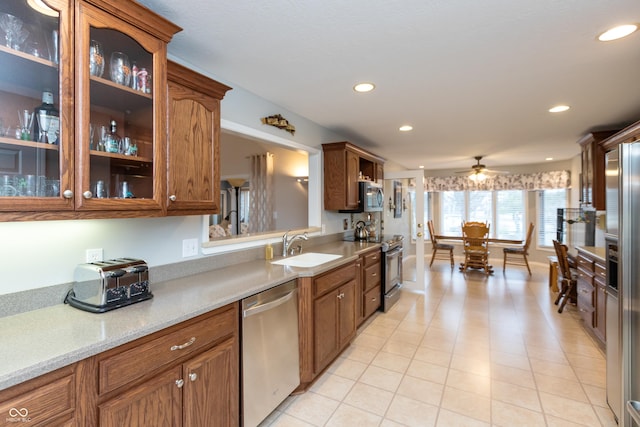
(211, 389)
(157, 402)
(371, 301)
(347, 313)
(325, 313)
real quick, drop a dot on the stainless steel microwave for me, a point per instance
(371, 196)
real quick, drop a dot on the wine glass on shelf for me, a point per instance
(120, 68)
(26, 123)
(19, 38)
(10, 25)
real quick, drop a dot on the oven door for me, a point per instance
(393, 270)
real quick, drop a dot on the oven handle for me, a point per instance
(394, 252)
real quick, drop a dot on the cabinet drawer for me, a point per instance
(141, 358)
(586, 314)
(371, 276)
(585, 275)
(371, 258)
(585, 263)
(600, 271)
(41, 405)
(372, 301)
(334, 278)
(585, 293)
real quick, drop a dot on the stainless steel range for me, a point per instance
(391, 270)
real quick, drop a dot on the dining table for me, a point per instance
(491, 240)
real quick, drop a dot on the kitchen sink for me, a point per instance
(309, 259)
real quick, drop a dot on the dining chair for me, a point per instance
(446, 250)
(517, 255)
(569, 276)
(475, 240)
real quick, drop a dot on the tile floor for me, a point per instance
(471, 351)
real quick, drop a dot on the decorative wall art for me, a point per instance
(397, 199)
(279, 122)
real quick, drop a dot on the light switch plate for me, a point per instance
(189, 247)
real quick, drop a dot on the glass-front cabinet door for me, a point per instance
(36, 112)
(120, 114)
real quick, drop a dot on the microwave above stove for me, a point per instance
(370, 197)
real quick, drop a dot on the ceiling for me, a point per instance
(471, 77)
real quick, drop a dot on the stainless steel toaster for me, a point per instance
(106, 285)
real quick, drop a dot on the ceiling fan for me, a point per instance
(479, 172)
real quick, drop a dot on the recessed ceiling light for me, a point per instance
(549, 159)
(559, 108)
(405, 128)
(618, 32)
(364, 87)
(421, 167)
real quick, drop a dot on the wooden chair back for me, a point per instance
(563, 259)
(432, 233)
(475, 236)
(527, 242)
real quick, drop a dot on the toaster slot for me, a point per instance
(114, 292)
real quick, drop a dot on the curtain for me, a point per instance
(533, 181)
(261, 193)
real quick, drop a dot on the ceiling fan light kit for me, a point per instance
(479, 172)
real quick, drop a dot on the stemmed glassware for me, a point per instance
(10, 25)
(120, 68)
(96, 59)
(26, 124)
(20, 37)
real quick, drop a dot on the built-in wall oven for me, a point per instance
(391, 271)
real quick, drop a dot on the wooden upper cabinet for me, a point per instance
(86, 56)
(193, 145)
(592, 184)
(344, 165)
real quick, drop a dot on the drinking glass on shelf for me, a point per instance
(120, 68)
(19, 38)
(96, 58)
(10, 25)
(26, 124)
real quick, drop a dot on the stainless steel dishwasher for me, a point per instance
(270, 355)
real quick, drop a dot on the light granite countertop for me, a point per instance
(41, 341)
(595, 251)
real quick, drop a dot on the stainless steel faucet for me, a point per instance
(286, 241)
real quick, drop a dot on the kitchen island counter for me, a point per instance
(40, 341)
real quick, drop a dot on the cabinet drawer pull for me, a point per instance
(180, 383)
(193, 376)
(185, 345)
(374, 274)
(373, 300)
(173, 198)
(67, 194)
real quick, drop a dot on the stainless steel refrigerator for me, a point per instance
(629, 282)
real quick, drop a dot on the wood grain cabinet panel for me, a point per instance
(592, 295)
(193, 144)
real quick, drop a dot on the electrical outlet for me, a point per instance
(189, 247)
(93, 255)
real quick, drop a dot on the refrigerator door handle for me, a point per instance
(633, 408)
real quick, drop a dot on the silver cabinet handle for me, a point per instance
(185, 345)
(374, 274)
(180, 383)
(87, 194)
(373, 300)
(67, 194)
(193, 376)
(173, 198)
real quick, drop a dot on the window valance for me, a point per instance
(534, 181)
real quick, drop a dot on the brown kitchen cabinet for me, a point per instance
(71, 172)
(592, 184)
(48, 400)
(193, 145)
(344, 165)
(371, 284)
(184, 375)
(591, 292)
(327, 319)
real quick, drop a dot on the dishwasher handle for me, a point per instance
(256, 309)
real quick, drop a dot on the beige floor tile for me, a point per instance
(515, 395)
(390, 361)
(369, 398)
(452, 419)
(472, 405)
(568, 409)
(312, 408)
(560, 370)
(596, 395)
(427, 371)
(561, 387)
(388, 423)
(559, 422)
(360, 353)
(347, 368)
(479, 366)
(430, 355)
(421, 390)
(332, 386)
(511, 375)
(506, 415)
(596, 376)
(381, 378)
(285, 420)
(407, 337)
(379, 331)
(348, 416)
(409, 412)
(556, 356)
(606, 416)
(372, 341)
(510, 359)
(400, 348)
(461, 380)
